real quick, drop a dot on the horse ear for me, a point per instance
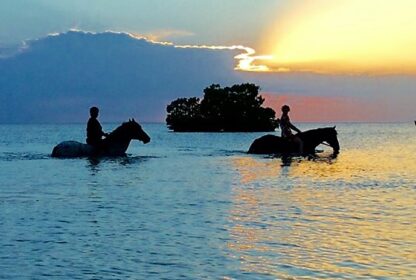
(134, 120)
(334, 126)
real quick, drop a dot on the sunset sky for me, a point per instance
(342, 60)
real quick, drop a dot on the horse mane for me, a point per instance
(120, 129)
(313, 133)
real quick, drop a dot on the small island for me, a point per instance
(230, 109)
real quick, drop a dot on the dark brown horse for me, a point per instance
(272, 144)
(115, 144)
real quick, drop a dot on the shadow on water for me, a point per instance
(325, 158)
(288, 159)
(95, 163)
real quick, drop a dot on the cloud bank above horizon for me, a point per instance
(59, 76)
(245, 57)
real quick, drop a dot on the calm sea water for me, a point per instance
(196, 206)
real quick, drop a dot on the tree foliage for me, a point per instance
(235, 108)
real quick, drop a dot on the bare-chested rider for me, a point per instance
(286, 126)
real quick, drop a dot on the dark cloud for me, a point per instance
(58, 77)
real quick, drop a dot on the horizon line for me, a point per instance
(161, 122)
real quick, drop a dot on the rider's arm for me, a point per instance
(294, 127)
(102, 133)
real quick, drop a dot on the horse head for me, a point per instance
(332, 139)
(136, 132)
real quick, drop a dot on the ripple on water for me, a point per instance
(197, 206)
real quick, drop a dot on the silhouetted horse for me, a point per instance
(115, 144)
(272, 144)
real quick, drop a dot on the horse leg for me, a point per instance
(299, 143)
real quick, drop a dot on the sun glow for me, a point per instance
(246, 61)
(345, 36)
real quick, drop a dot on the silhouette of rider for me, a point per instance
(286, 127)
(94, 129)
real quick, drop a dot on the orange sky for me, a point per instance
(344, 36)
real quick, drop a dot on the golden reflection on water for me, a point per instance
(356, 165)
(300, 222)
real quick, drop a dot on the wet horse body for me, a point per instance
(115, 144)
(272, 144)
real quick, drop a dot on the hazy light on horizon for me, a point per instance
(346, 36)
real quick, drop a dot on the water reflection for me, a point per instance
(352, 167)
(267, 168)
(94, 163)
(295, 221)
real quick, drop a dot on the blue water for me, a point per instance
(196, 206)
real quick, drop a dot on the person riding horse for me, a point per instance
(115, 144)
(286, 126)
(94, 129)
(272, 144)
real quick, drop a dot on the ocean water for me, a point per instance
(196, 206)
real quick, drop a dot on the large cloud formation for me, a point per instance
(57, 78)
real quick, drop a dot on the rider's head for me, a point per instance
(94, 112)
(285, 109)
